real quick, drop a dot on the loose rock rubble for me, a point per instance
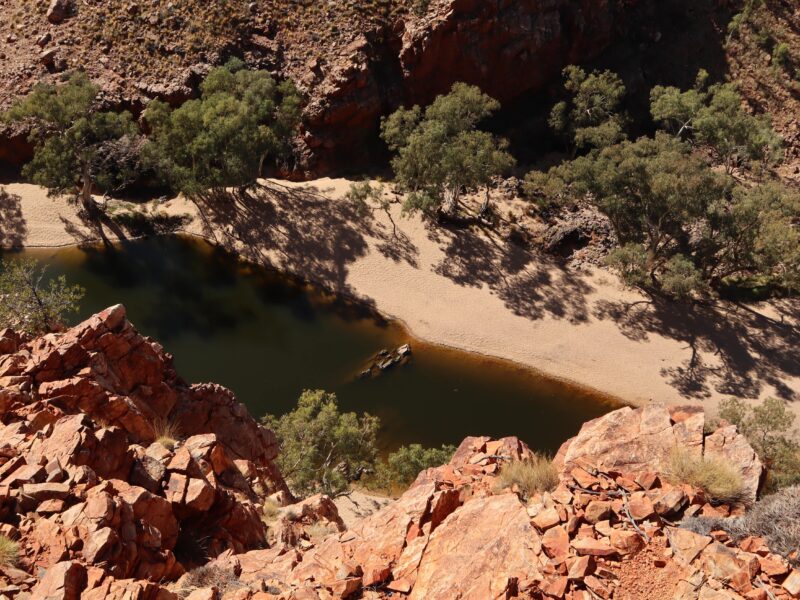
(102, 510)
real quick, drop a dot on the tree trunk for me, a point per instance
(450, 206)
(485, 204)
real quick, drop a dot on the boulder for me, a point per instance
(59, 10)
(640, 441)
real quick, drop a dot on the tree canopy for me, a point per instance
(440, 152)
(27, 304)
(681, 225)
(77, 147)
(591, 116)
(223, 139)
(714, 117)
(322, 449)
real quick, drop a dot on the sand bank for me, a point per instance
(473, 290)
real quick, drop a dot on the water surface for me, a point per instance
(267, 338)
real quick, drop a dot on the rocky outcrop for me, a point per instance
(641, 440)
(102, 509)
(457, 534)
(83, 480)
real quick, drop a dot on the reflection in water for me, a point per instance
(268, 338)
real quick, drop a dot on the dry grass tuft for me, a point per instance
(776, 518)
(9, 552)
(530, 476)
(270, 511)
(166, 433)
(224, 580)
(720, 482)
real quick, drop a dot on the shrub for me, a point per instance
(9, 552)
(534, 475)
(224, 580)
(781, 56)
(716, 478)
(321, 448)
(776, 518)
(402, 466)
(768, 428)
(27, 304)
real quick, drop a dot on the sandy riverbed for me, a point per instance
(475, 291)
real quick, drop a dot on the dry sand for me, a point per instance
(475, 291)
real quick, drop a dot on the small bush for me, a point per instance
(769, 429)
(166, 433)
(776, 518)
(715, 477)
(224, 580)
(781, 56)
(402, 466)
(531, 476)
(9, 552)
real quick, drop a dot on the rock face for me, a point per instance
(83, 480)
(101, 509)
(488, 43)
(353, 68)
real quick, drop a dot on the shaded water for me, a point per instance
(268, 338)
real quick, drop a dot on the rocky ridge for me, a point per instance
(102, 510)
(354, 61)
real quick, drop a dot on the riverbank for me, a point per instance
(472, 290)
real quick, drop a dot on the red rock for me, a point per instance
(670, 502)
(640, 506)
(546, 518)
(773, 565)
(626, 542)
(64, 581)
(597, 510)
(199, 495)
(580, 566)
(554, 587)
(792, 583)
(687, 545)
(592, 547)
(555, 543)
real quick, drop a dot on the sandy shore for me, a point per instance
(475, 291)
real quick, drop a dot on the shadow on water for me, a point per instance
(268, 337)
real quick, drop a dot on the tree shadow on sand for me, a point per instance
(13, 228)
(530, 284)
(297, 230)
(735, 350)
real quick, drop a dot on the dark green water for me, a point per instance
(268, 338)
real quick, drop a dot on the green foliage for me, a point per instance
(26, 304)
(440, 152)
(768, 428)
(681, 225)
(367, 197)
(592, 116)
(782, 56)
(402, 466)
(529, 476)
(713, 117)
(322, 449)
(77, 148)
(223, 138)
